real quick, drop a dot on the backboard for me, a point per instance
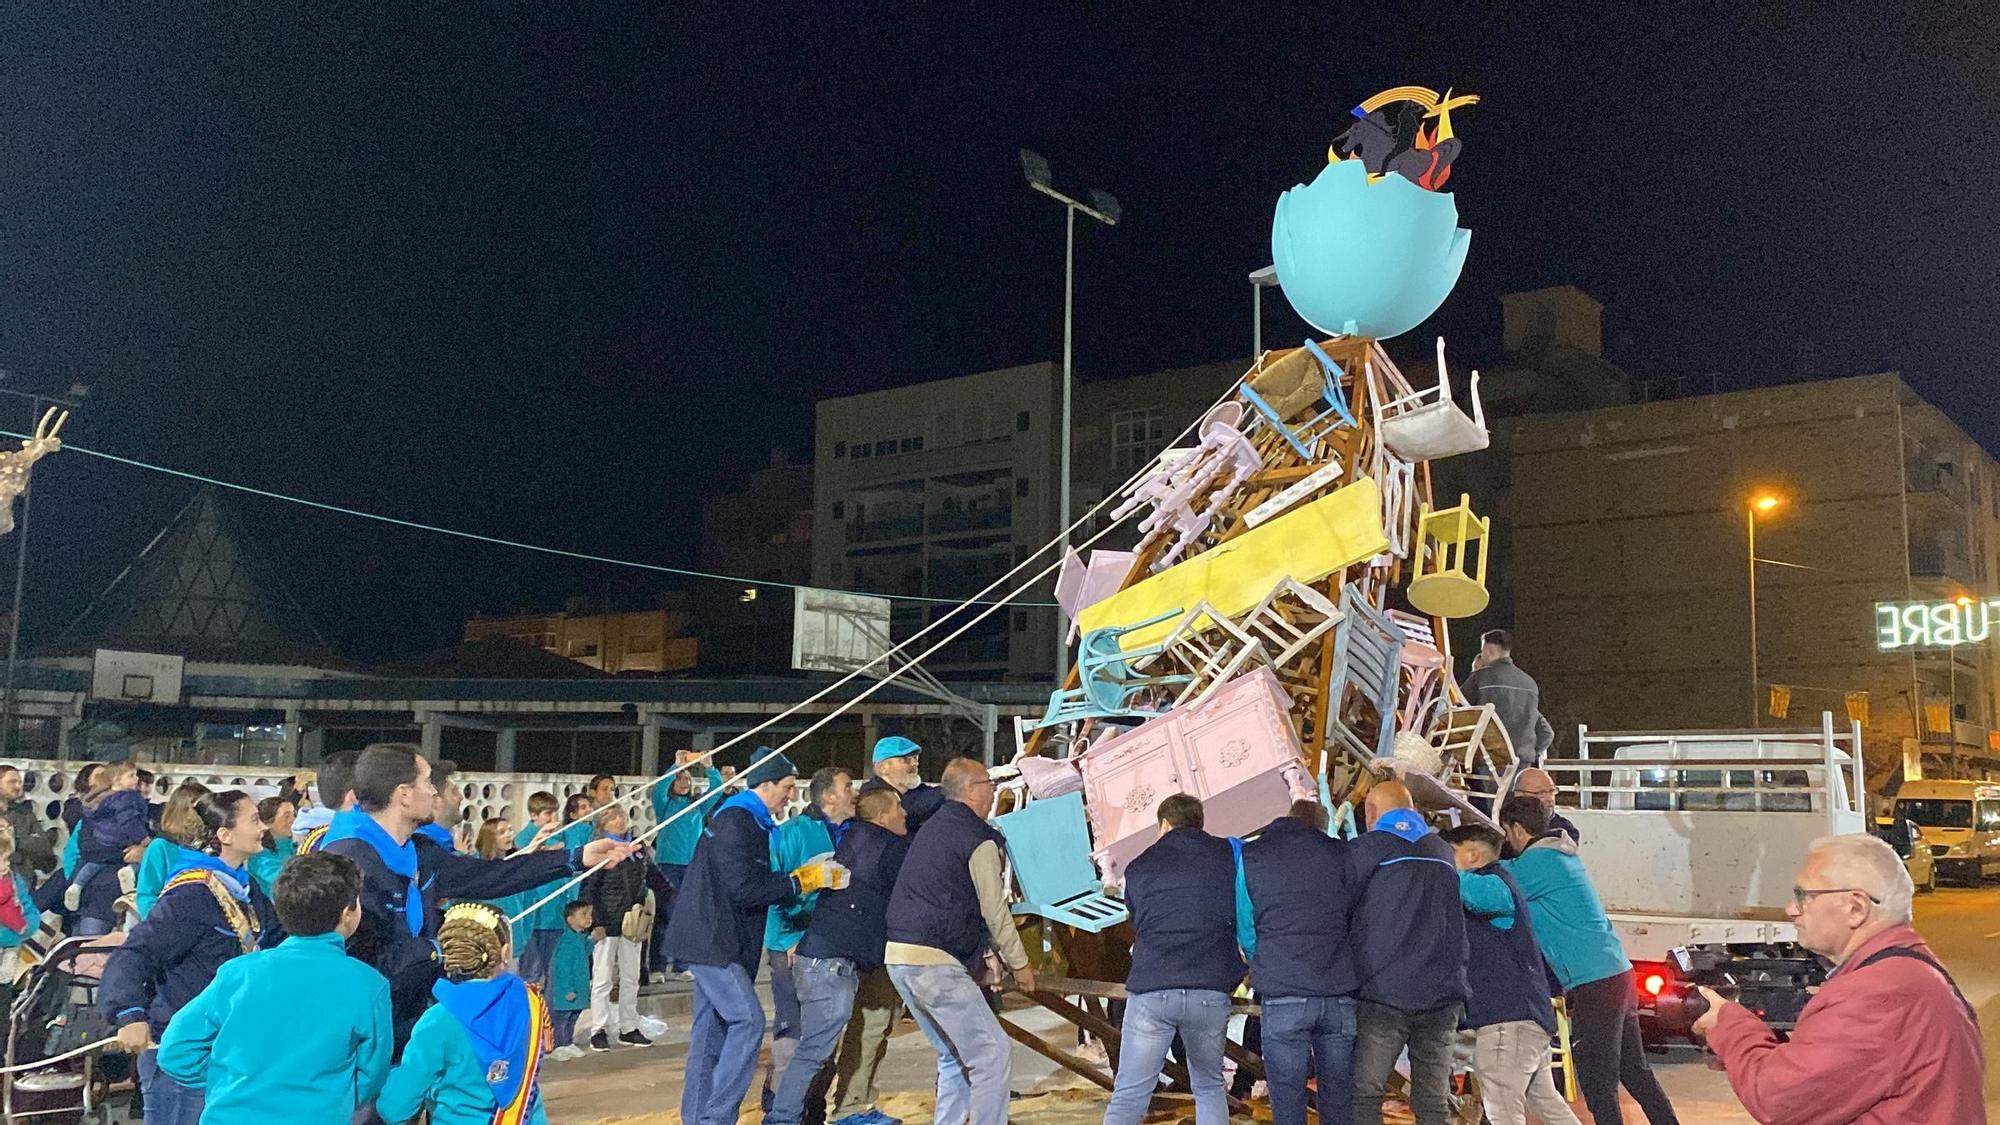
(147, 677)
(835, 631)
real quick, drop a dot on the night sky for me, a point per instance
(561, 275)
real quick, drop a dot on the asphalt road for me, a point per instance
(642, 1086)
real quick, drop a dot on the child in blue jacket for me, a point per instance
(242, 1040)
(473, 1057)
(110, 825)
(569, 979)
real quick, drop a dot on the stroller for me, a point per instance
(52, 1010)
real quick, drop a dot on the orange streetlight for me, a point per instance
(1761, 502)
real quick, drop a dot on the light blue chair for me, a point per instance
(1367, 654)
(1106, 682)
(1049, 845)
(1306, 436)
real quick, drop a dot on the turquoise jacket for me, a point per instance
(70, 854)
(1576, 938)
(265, 865)
(155, 868)
(675, 843)
(441, 1073)
(243, 1043)
(569, 973)
(31, 915)
(550, 915)
(796, 841)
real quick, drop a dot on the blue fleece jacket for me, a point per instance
(569, 973)
(441, 1070)
(797, 840)
(154, 867)
(242, 1043)
(117, 822)
(1570, 924)
(675, 843)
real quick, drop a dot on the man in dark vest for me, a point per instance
(1292, 903)
(1509, 1012)
(1409, 951)
(949, 905)
(718, 930)
(1182, 891)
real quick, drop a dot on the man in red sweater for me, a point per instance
(1887, 1040)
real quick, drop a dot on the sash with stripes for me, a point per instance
(239, 916)
(313, 840)
(539, 1032)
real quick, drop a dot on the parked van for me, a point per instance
(1961, 821)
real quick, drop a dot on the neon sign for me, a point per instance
(1935, 624)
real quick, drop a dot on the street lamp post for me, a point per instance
(1104, 209)
(1260, 280)
(37, 404)
(1762, 503)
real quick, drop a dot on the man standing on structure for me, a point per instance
(1516, 699)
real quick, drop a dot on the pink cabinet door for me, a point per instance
(1124, 781)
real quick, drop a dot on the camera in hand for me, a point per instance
(1703, 968)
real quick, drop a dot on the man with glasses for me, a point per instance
(1588, 960)
(949, 905)
(1887, 1038)
(1537, 783)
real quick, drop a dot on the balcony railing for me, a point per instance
(896, 528)
(1933, 478)
(971, 520)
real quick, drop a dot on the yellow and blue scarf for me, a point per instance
(505, 1021)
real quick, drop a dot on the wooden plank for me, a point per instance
(1079, 1066)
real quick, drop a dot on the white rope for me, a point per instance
(976, 599)
(989, 610)
(54, 1059)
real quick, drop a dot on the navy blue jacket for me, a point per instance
(1409, 925)
(1182, 892)
(171, 956)
(1301, 893)
(1509, 981)
(720, 908)
(854, 922)
(919, 804)
(935, 903)
(411, 961)
(115, 823)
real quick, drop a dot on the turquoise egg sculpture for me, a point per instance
(1366, 259)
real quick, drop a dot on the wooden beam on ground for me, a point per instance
(1079, 1066)
(1111, 1034)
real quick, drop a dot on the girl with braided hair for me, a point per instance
(473, 1056)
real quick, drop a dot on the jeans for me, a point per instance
(664, 913)
(974, 1064)
(1381, 1034)
(1512, 1061)
(563, 1023)
(535, 959)
(826, 987)
(784, 1015)
(1316, 1029)
(167, 1101)
(722, 1045)
(615, 961)
(1607, 1049)
(877, 1007)
(1200, 1016)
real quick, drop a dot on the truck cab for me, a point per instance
(1960, 822)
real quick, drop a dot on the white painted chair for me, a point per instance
(1211, 649)
(1426, 425)
(1290, 619)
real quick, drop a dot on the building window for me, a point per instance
(579, 649)
(861, 449)
(913, 444)
(1021, 422)
(839, 506)
(885, 448)
(1137, 436)
(839, 449)
(643, 642)
(1020, 486)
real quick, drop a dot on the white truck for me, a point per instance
(1692, 839)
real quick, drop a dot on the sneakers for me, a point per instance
(633, 1038)
(598, 1042)
(566, 1052)
(73, 898)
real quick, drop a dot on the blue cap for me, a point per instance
(775, 769)
(894, 746)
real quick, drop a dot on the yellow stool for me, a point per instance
(1562, 1051)
(1443, 588)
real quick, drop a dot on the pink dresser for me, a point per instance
(1237, 752)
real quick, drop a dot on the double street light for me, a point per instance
(1104, 209)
